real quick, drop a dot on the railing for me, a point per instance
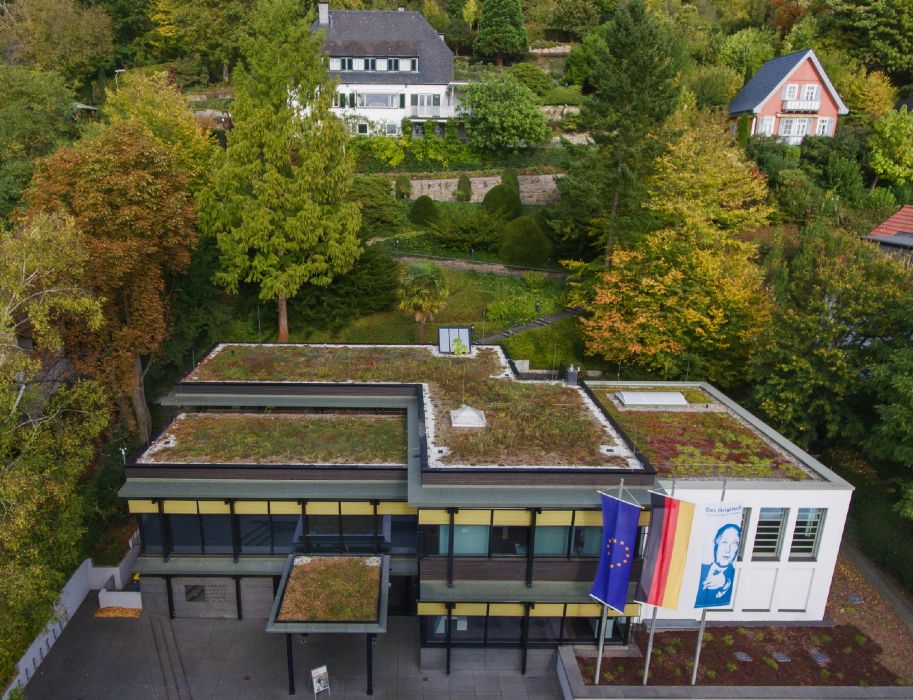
(791, 140)
(432, 111)
(801, 105)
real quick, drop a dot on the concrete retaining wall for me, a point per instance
(120, 599)
(534, 189)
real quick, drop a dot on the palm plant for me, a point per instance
(423, 292)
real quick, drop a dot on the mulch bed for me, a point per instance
(866, 646)
(116, 611)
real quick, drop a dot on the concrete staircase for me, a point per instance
(169, 658)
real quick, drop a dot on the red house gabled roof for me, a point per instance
(901, 222)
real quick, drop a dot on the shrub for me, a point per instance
(463, 192)
(563, 95)
(468, 228)
(379, 211)
(524, 243)
(504, 201)
(424, 211)
(532, 77)
(403, 187)
(714, 86)
(502, 115)
(509, 178)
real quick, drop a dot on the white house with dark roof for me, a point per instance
(391, 65)
(790, 97)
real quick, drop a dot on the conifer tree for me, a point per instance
(501, 30)
(279, 202)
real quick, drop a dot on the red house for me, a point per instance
(790, 97)
(895, 235)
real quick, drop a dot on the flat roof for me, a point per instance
(710, 438)
(280, 438)
(529, 424)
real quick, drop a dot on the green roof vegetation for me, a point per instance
(283, 438)
(700, 444)
(528, 424)
(331, 589)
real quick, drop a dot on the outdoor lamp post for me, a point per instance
(116, 71)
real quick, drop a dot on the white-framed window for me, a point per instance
(362, 128)
(810, 92)
(767, 126)
(769, 535)
(824, 126)
(393, 64)
(380, 100)
(802, 127)
(791, 92)
(392, 128)
(370, 64)
(381, 64)
(787, 126)
(335, 64)
(807, 534)
(358, 64)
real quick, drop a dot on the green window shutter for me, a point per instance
(402, 100)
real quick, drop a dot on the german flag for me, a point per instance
(665, 552)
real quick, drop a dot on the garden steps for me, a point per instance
(540, 322)
(176, 685)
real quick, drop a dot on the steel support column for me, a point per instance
(371, 641)
(291, 666)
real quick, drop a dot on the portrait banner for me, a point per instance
(721, 537)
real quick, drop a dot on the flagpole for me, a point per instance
(650, 645)
(700, 634)
(602, 624)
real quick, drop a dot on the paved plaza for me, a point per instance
(152, 657)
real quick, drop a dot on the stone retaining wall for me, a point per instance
(534, 189)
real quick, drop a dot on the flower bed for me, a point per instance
(332, 589)
(528, 423)
(285, 438)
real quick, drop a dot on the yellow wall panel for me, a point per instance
(284, 508)
(588, 518)
(512, 517)
(470, 608)
(554, 517)
(472, 517)
(181, 507)
(357, 508)
(433, 517)
(214, 507)
(395, 508)
(323, 508)
(251, 507)
(586, 610)
(632, 609)
(506, 610)
(547, 610)
(142, 506)
(432, 609)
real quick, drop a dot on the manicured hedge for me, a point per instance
(524, 243)
(504, 201)
(424, 211)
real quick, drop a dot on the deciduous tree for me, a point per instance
(57, 35)
(279, 201)
(151, 101)
(503, 114)
(891, 147)
(36, 115)
(501, 30)
(132, 208)
(880, 34)
(746, 51)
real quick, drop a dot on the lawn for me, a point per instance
(866, 646)
(331, 589)
(284, 438)
(484, 300)
(528, 423)
(698, 444)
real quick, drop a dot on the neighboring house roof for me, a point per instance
(381, 33)
(896, 230)
(770, 78)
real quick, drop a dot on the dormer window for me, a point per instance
(370, 64)
(792, 92)
(393, 64)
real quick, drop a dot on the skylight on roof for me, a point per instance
(651, 398)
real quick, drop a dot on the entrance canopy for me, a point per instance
(339, 594)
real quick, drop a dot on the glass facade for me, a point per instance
(496, 630)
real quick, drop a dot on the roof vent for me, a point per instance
(651, 398)
(467, 417)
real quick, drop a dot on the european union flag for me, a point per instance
(619, 542)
